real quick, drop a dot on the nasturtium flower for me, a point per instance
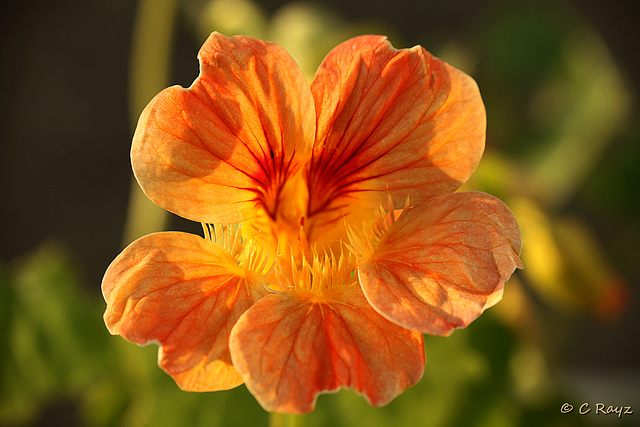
(333, 235)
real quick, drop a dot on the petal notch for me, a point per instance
(215, 151)
(291, 347)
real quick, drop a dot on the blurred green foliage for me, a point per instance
(63, 368)
(59, 366)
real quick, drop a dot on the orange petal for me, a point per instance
(212, 152)
(291, 347)
(443, 262)
(184, 293)
(397, 122)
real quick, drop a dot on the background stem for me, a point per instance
(285, 420)
(149, 74)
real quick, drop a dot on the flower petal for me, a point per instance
(443, 262)
(184, 293)
(212, 152)
(398, 122)
(291, 347)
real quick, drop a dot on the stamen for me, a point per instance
(206, 228)
(249, 253)
(364, 241)
(324, 272)
(256, 256)
(227, 236)
(287, 276)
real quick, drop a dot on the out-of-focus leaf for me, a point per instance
(16, 402)
(229, 17)
(523, 42)
(582, 108)
(66, 329)
(565, 265)
(307, 31)
(498, 175)
(55, 348)
(555, 98)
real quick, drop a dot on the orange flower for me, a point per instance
(311, 285)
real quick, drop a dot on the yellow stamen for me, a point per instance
(249, 254)
(321, 276)
(364, 241)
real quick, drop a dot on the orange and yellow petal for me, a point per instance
(224, 147)
(441, 263)
(184, 293)
(391, 122)
(291, 347)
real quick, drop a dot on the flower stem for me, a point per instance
(285, 420)
(148, 75)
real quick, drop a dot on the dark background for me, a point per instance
(64, 162)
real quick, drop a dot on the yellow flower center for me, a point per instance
(301, 249)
